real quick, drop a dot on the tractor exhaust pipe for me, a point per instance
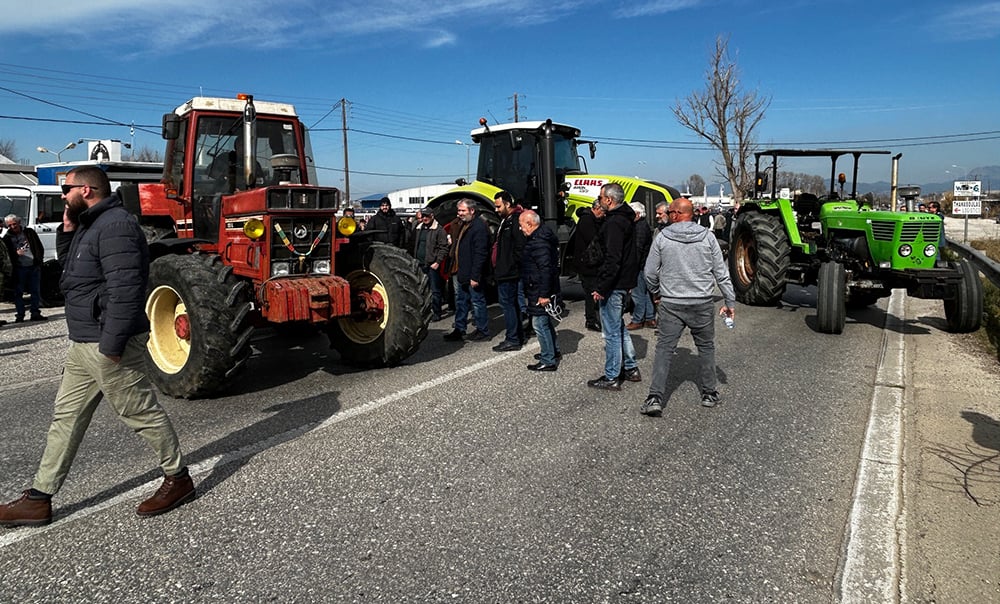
(895, 183)
(550, 207)
(249, 143)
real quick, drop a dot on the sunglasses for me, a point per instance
(67, 188)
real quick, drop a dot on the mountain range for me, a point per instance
(988, 175)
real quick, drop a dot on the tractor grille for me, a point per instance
(301, 232)
(883, 230)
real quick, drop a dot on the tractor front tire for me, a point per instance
(964, 312)
(759, 255)
(389, 273)
(199, 335)
(831, 311)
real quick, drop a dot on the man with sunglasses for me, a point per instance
(104, 282)
(684, 265)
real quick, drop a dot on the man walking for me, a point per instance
(617, 275)
(430, 248)
(684, 266)
(470, 243)
(26, 254)
(506, 269)
(104, 283)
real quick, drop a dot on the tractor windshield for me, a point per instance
(218, 152)
(510, 160)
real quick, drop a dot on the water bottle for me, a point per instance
(730, 323)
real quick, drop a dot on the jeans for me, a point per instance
(618, 349)
(700, 319)
(644, 309)
(463, 296)
(545, 330)
(437, 289)
(507, 292)
(28, 278)
(87, 376)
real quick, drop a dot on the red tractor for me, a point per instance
(242, 237)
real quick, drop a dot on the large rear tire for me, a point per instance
(387, 338)
(199, 336)
(831, 311)
(964, 312)
(758, 258)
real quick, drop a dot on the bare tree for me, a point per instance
(726, 116)
(145, 153)
(8, 148)
(696, 184)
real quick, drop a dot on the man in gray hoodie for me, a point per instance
(682, 270)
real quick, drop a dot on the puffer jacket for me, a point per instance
(104, 277)
(540, 268)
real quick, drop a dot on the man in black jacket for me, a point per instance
(540, 274)
(429, 246)
(104, 282)
(26, 255)
(618, 274)
(389, 225)
(470, 241)
(506, 269)
(588, 225)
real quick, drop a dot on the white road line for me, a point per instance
(208, 465)
(870, 564)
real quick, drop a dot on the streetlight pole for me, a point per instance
(467, 160)
(58, 154)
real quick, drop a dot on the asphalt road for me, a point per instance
(461, 476)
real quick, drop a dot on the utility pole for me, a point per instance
(515, 108)
(347, 171)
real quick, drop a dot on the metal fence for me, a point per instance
(985, 265)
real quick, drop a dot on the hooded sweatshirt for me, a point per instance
(684, 265)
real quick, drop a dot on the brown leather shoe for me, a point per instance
(26, 512)
(174, 492)
(651, 323)
(634, 326)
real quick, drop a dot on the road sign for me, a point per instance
(967, 207)
(968, 188)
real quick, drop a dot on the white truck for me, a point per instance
(40, 207)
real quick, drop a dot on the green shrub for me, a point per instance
(991, 296)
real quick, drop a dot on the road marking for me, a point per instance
(204, 467)
(870, 563)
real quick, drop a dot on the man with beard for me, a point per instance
(506, 269)
(470, 249)
(104, 283)
(389, 225)
(588, 226)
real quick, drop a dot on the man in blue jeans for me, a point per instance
(617, 275)
(506, 269)
(26, 254)
(471, 245)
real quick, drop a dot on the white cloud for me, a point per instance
(167, 26)
(973, 21)
(655, 7)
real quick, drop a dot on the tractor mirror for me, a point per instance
(515, 141)
(171, 126)
(593, 150)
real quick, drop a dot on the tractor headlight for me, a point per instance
(930, 250)
(905, 250)
(279, 269)
(346, 226)
(254, 228)
(322, 267)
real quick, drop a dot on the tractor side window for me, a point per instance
(649, 198)
(173, 167)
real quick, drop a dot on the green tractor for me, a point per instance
(853, 253)
(540, 165)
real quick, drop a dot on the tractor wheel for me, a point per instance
(392, 277)
(758, 258)
(199, 336)
(964, 312)
(831, 312)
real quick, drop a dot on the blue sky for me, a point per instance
(919, 77)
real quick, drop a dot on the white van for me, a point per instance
(40, 208)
